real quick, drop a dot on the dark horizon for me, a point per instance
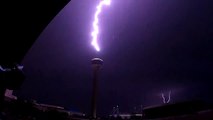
(148, 47)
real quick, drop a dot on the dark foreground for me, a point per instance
(30, 110)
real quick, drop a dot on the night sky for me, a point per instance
(148, 47)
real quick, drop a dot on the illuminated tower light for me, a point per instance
(95, 31)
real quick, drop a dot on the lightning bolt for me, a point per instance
(169, 97)
(164, 99)
(95, 23)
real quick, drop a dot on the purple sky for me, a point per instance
(148, 47)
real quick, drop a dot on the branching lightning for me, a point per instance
(164, 99)
(95, 24)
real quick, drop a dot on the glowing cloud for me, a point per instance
(95, 24)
